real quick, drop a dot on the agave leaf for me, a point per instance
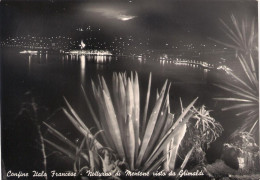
(60, 136)
(77, 118)
(105, 88)
(166, 162)
(160, 147)
(254, 125)
(170, 150)
(94, 138)
(130, 138)
(244, 112)
(115, 94)
(243, 29)
(237, 106)
(253, 66)
(176, 144)
(171, 132)
(79, 128)
(232, 37)
(235, 92)
(124, 78)
(129, 99)
(64, 139)
(122, 110)
(232, 99)
(146, 104)
(237, 29)
(231, 32)
(249, 121)
(227, 45)
(100, 82)
(157, 94)
(94, 89)
(93, 114)
(113, 125)
(156, 165)
(187, 157)
(109, 142)
(122, 97)
(250, 72)
(186, 110)
(137, 112)
(61, 149)
(92, 160)
(241, 81)
(252, 34)
(242, 90)
(168, 99)
(158, 130)
(150, 126)
(246, 70)
(168, 124)
(131, 77)
(78, 152)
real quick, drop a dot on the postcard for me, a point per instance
(129, 89)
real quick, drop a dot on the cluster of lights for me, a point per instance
(29, 52)
(90, 52)
(225, 68)
(88, 28)
(179, 61)
(33, 42)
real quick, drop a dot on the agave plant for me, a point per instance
(208, 128)
(202, 130)
(244, 89)
(136, 137)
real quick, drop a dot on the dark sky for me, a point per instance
(161, 19)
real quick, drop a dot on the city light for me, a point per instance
(28, 52)
(90, 52)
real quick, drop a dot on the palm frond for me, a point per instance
(245, 89)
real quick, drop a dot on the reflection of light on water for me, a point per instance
(109, 58)
(82, 67)
(82, 62)
(73, 57)
(205, 73)
(102, 59)
(88, 57)
(100, 67)
(62, 59)
(29, 63)
(162, 62)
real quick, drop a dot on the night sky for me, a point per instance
(161, 20)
